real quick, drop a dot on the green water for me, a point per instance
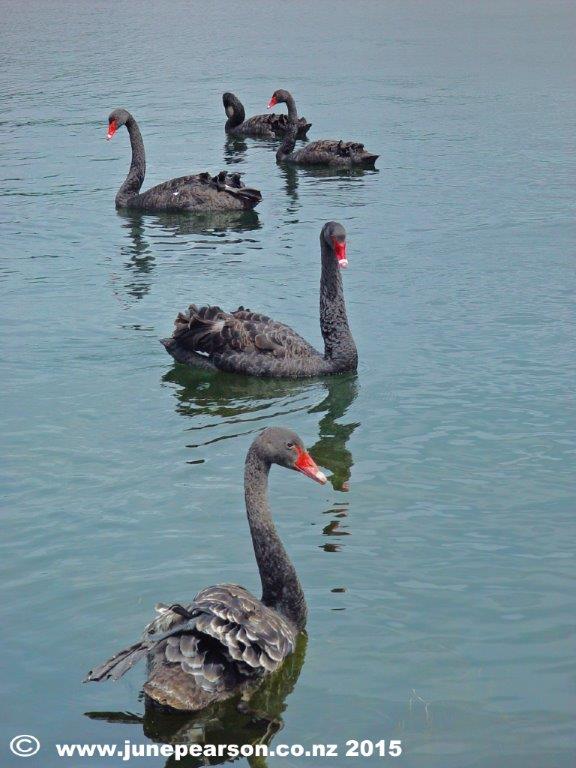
(440, 586)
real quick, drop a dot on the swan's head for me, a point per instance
(278, 445)
(278, 97)
(117, 119)
(334, 235)
(231, 104)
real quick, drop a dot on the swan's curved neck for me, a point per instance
(281, 588)
(339, 346)
(292, 111)
(238, 114)
(287, 146)
(135, 178)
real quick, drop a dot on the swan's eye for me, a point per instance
(290, 445)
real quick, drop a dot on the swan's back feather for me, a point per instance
(333, 152)
(206, 651)
(270, 126)
(198, 192)
(245, 342)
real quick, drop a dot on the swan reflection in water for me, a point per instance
(347, 179)
(235, 150)
(142, 228)
(254, 720)
(137, 256)
(331, 448)
(236, 147)
(225, 406)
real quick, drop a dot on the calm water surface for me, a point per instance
(441, 584)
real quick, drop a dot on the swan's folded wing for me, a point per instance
(327, 150)
(167, 618)
(229, 636)
(213, 331)
(185, 192)
(257, 638)
(333, 146)
(262, 334)
(272, 124)
(223, 637)
(280, 123)
(258, 125)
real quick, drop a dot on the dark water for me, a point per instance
(441, 585)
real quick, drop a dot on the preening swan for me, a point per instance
(267, 126)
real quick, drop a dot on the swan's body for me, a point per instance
(226, 640)
(268, 126)
(198, 192)
(256, 719)
(250, 343)
(340, 154)
(332, 152)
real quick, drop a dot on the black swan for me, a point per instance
(267, 126)
(323, 152)
(250, 343)
(199, 192)
(226, 640)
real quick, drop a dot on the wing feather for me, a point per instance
(203, 652)
(188, 192)
(212, 331)
(332, 151)
(271, 125)
(230, 634)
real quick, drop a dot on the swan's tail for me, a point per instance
(249, 195)
(362, 154)
(119, 664)
(368, 158)
(357, 152)
(232, 184)
(171, 618)
(200, 329)
(186, 356)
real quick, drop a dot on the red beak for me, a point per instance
(112, 128)
(306, 464)
(272, 102)
(340, 251)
